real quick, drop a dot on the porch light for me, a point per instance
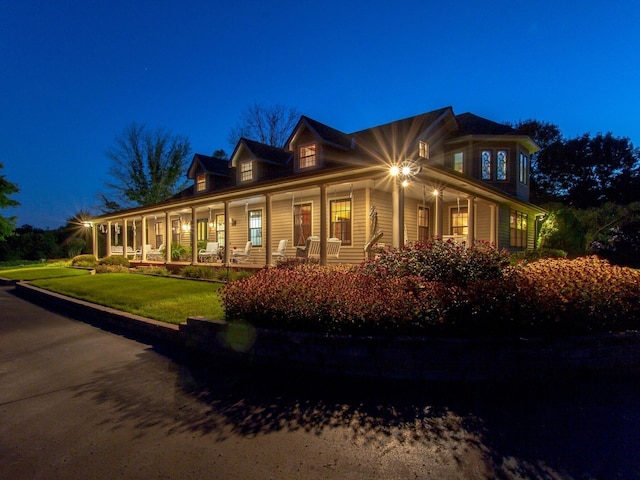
(394, 170)
(87, 224)
(436, 192)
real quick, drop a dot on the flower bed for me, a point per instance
(441, 288)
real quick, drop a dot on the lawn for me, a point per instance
(166, 299)
(35, 273)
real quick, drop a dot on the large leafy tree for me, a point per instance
(270, 125)
(7, 188)
(147, 167)
(585, 171)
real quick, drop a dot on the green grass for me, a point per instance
(34, 273)
(166, 299)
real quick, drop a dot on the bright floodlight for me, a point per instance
(394, 170)
(406, 170)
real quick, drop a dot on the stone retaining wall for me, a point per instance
(425, 358)
(418, 357)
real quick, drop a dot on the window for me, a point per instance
(501, 165)
(301, 223)
(458, 162)
(201, 183)
(255, 227)
(498, 170)
(158, 230)
(340, 212)
(423, 149)
(423, 223)
(246, 171)
(459, 221)
(308, 156)
(486, 165)
(518, 226)
(523, 168)
(175, 231)
(220, 230)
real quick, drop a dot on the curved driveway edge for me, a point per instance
(424, 358)
(101, 316)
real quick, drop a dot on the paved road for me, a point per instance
(77, 402)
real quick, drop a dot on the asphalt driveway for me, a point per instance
(78, 402)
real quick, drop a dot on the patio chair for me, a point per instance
(281, 252)
(241, 256)
(209, 253)
(155, 253)
(138, 253)
(333, 247)
(311, 248)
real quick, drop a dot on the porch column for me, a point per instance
(395, 216)
(227, 234)
(471, 215)
(324, 230)
(94, 240)
(268, 225)
(143, 239)
(108, 252)
(125, 240)
(194, 236)
(438, 213)
(167, 237)
(492, 224)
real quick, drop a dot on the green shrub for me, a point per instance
(74, 246)
(153, 270)
(533, 255)
(180, 252)
(86, 260)
(563, 230)
(115, 260)
(107, 268)
(196, 271)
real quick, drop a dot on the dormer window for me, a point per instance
(308, 156)
(423, 149)
(246, 171)
(201, 183)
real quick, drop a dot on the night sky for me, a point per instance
(75, 73)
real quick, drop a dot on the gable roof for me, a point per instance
(470, 124)
(324, 133)
(263, 152)
(397, 139)
(212, 165)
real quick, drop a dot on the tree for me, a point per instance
(220, 153)
(7, 225)
(75, 237)
(590, 171)
(584, 171)
(269, 125)
(147, 167)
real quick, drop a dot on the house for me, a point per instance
(438, 174)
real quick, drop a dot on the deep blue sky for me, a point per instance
(75, 73)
